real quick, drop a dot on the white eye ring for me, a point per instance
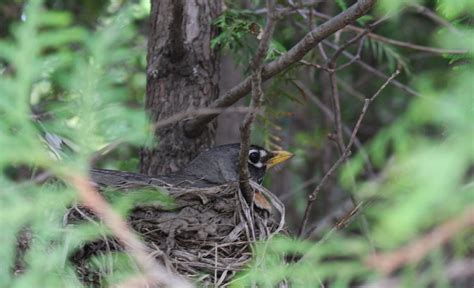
(254, 158)
(258, 164)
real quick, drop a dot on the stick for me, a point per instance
(342, 158)
(296, 53)
(418, 249)
(137, 249)
(255, 104)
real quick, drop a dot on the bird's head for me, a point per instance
(219, 164)
(260, 159)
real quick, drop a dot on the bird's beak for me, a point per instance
(278, 157)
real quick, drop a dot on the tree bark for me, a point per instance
(182, 75)
(228, 124)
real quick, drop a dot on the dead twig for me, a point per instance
(313, 38)
(327, 111)
(331, 66)
(186, 234)
(255, 103)
(198, 112)
(346, 153)
(455, 270)
(374, 71)
(137, 249)
(396, 42)
(435, 17)
(418, 249)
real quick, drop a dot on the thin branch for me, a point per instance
(329, 219)
(336, 110)
(326, 111)
(349, 89)
(375, 72)
(356, 59)
(137, 249)
(454, 270)
(331, 65)
(199, 112)
(296, 53)
(435, 17)
(346, 153)
(418, 249)
(420, 9)
(314, 65)
(256, 102)
(396, 42)
(357, 38)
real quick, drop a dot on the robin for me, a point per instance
(215, 166)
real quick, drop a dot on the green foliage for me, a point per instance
(234, 26)
(342, 4)
(387, 54)
(84, 81)
(425, 158)
(238, 33)
(78, 78)
(452, 9)
(391, 6)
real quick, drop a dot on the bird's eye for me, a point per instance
(254, 157)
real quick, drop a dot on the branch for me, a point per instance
(397, 42)
(343, 157)
(296, 53)
(328, 113)
(256, 102)
(420, 9)
(435, 17)
(455, 270)
(154, 271)
(356, 59)
(417, 250)
(177, 117)
(331, 66)
(173, 119)
(374, 71)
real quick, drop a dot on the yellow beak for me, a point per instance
(278, 157)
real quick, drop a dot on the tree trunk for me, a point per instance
(182, 75)
(228, 124)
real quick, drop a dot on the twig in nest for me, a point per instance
(256, 102)
(138, 250)
(186, 235)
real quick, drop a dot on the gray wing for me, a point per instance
(127, 180)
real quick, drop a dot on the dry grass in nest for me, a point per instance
(207, 236)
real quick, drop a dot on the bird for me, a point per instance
(212, 167)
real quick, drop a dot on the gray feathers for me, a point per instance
(215, 166)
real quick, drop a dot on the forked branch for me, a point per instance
(256, 102)
(194, 127)
(346, 153)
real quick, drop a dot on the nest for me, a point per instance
(206, 236)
